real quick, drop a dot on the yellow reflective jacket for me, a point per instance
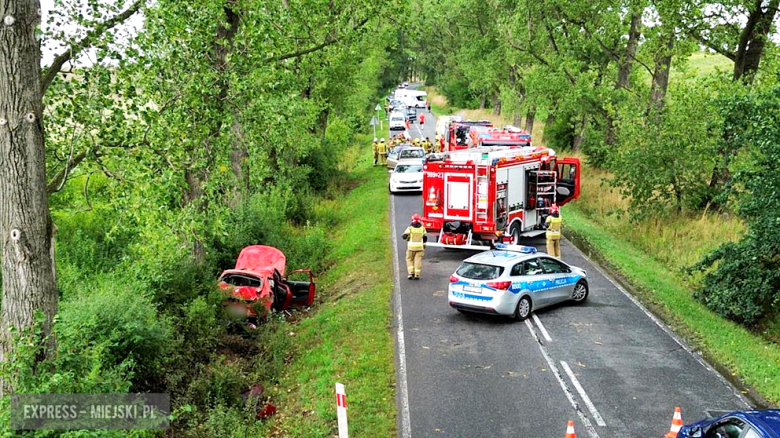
(553, 226)
(382, 147)
(416, 236)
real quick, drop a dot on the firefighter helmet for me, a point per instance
(554, 210)
(376, 139)
(383, 139)
(416, 218)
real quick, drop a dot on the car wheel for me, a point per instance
(580, 293)
(515, 233)
(523, 309)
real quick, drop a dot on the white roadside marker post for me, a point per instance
(341, 410)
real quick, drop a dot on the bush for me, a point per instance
(116, 315)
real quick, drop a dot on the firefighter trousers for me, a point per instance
(383, 157)
(376, 158)
(414, 262)
(554, 246)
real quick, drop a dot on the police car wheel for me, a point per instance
(523, 309)
(580, 293)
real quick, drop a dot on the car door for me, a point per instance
(534, 280)
(558, 274)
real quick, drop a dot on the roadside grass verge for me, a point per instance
(651, 255)
(346, 338)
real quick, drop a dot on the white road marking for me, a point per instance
(403, 386)
(417, 125)
(584, 419)
(591, 407)
(666, 329)
(541, 328)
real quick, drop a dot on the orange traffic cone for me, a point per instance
(676, 424)
(570, 430)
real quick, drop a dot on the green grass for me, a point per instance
(703, 63)
(751, 359)
(347, 337)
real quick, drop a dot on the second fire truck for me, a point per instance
(474, 197)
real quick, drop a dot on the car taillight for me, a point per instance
(454, 279)
(501, 285)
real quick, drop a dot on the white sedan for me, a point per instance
(515, 281)
(407, 177)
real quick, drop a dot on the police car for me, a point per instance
(514, 280)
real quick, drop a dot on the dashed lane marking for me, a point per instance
(591, 407)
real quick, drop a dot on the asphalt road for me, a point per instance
(608, 364)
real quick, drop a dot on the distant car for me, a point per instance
(411, 114)
(404, 84)
(258, 284)
(738, 424)
(406, 177)
(397, 105)
(407, 153)
(397, 121)
(514, 281)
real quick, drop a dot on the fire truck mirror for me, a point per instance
(563, 191)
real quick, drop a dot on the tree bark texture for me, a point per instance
(624, 70)
(25, 223)
(663, 64)
(753, 39)
(530, 116)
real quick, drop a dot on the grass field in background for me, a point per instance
(347, 338)
(652, 254)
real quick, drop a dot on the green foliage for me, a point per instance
(744, 280)
(663, 163)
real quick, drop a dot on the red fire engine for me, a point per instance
(490, 136)
(457, 135)
(476, 196)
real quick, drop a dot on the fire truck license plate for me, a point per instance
(472, 289)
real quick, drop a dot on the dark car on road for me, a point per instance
(738, 424)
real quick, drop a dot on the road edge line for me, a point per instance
(665, 328)
(585, 421)
(583, 395)
(403, 386)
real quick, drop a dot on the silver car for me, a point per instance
(515, 281)
(406, 153)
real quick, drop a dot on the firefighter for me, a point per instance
(428, 145)
(422, 121)
(408, 124)
(553, 225)
(382, 149)
(376, 151)
(437, 145)
(417, 237)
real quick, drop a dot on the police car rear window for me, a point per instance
(475, 271)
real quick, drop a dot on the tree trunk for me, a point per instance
(496, 105)
(517, 120)
(634, 32)
(239, 163)
(753, 39)
(547, 123)
(197, 177)
(663, 64)
(624, 72)
(579, 136)
(25, 224)
(529, 119)
(482, 102)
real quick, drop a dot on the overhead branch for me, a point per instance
(329, 41)
(59, 179)
(48, 75)
(696, 35)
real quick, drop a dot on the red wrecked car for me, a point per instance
(258, 284)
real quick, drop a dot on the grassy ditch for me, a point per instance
(651, 255)
(346, 339)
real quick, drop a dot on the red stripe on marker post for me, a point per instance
(341, 410)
